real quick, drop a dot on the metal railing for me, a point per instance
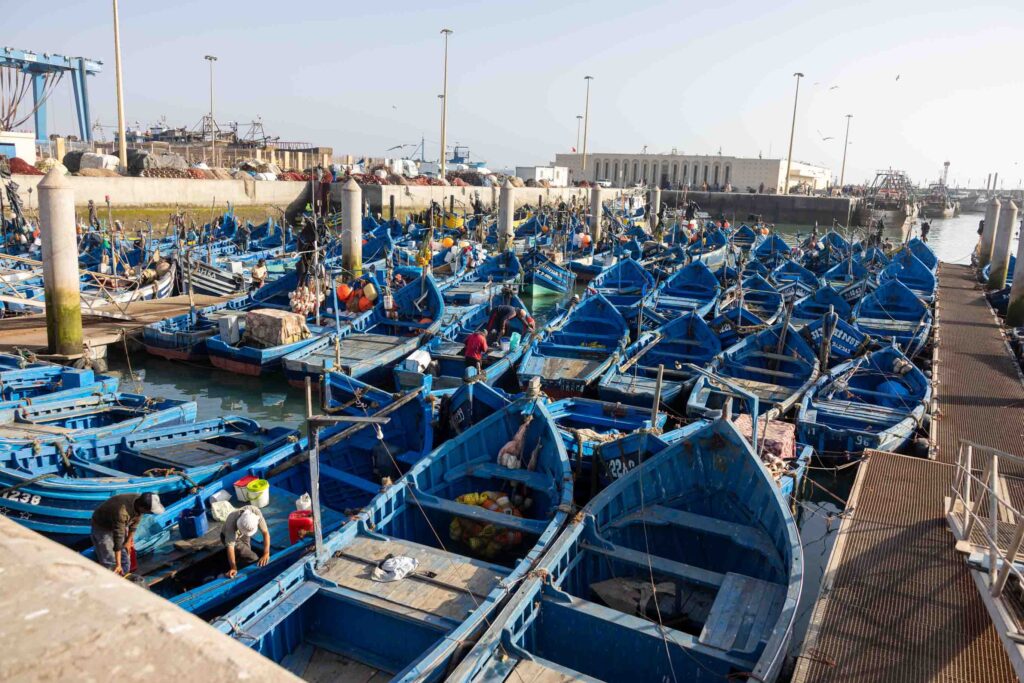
(979, 505)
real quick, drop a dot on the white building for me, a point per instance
(15, 144)
(677, 171)
(557, 176)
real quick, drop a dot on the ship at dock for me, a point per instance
(891, 199)
(939, 202)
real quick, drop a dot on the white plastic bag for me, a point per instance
(395, 568)
(304, 502)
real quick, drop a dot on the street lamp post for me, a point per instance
(846, 144)
(579, 123)
(792, 130)
(121, 141)
(586, 126)
(444, 99)
(213, 127)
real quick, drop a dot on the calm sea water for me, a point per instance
(273, 402)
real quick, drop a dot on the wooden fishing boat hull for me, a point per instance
(650, 523)
(412, 628)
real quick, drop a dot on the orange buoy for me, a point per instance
(364, 304)
(447, 242)
(344, 292)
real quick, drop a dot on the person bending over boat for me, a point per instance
(113, 527)
(501, 316)
(236, 535)
(259, 274)
(476, 347)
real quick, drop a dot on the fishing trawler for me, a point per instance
(891, 200)
(939, 203)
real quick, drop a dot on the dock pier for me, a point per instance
(908, 595)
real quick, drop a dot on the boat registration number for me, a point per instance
(619, 467)
(22, 497)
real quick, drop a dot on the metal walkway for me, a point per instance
(898, 601)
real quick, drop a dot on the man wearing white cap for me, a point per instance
(113, 527)
(236, 535)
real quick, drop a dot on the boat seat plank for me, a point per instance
(324, 666)
(533, 480)
(195, 454)
(742, 534)
(535, 527)
(538, 671)
(660, 565)
(763, 390)
(741, 613)
(444, 584)
(764, 371)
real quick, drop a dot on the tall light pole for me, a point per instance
(792, 130)
(444, 99)
(579, 122)
(846, 144)
(121, 142)
(213, 126)
(586, 126)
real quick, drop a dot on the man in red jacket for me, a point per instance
(476, 347)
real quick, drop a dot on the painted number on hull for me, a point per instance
(618, 467)
(22, 497)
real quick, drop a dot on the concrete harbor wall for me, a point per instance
(775, 208)
(69, 619)
(409, 198)
(173, 192)
(170, 192)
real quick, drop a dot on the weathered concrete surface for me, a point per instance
(410, 198)
(68, 619)
(169, 192)
(775, 208)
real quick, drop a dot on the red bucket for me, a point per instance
(299, 521)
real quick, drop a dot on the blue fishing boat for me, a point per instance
(893, 312)
(793, 281)
(711, 249)
(369, 348)
(626, 285)
(54, 488)
(986, 272)
(703, 526)
(684, 340)
(772, 251)
(876, 401)
(909, 270)
(813, 306)
(99, 415)
(776, 365)
(578, 349)
(850, 278)
(745, 238)
(923, 253)
(692, 289)
(756, 295)
(183, 337)
(442, 360)
(834, 339)
(543, 275)
(469, 528)
(25, 382)
(874, 259)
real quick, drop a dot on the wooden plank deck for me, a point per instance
(898, 601)
(29, 331)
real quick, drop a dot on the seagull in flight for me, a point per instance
(897, 77)
(824, 138)
(834, 87)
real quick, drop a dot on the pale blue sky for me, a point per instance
(363, 77)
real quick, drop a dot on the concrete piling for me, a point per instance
(989, 233)
(596, 209)
(653, 207)
(352, 228)
(1015, 311)
(60, 265)
(1001, 248)
(506, 213)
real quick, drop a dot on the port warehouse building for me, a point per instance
(680, 171)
